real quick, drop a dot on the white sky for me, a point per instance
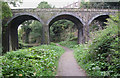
(56, 3)
(34, 3)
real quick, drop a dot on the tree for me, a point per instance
(44, 5)
(33, 29)
(62, 30)
(15, 3)
(5, 13)
(26, 31)
(37, 26)
(102, 4)
(36, 31)
(0, 29)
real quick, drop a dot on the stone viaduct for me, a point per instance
(82, 18)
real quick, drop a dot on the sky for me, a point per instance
(56, 3)
(34, 3)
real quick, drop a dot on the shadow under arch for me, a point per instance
(102, 16)
(71, 17)
(13, 25)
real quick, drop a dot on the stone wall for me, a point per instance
(81, 17)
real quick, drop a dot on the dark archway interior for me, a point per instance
(97, 24)
(102, 18)
(13, 29)
(73, 19)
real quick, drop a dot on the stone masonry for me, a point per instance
(82, 18)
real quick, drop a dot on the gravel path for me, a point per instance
(68, 65)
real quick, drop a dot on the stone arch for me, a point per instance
(13, 24)
(71, 17)
(25, 15)
(97, 16)
(61, 16)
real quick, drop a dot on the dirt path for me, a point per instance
(68, 65)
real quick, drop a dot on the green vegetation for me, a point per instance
(35, 61)
(36, 33)
(62, 30)
(103, 4)
(101, 56)
(0, 28)
(6, 11)
(44, 4)
(31, 30)
(69, 44)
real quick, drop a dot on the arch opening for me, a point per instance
(77, 21)
(13, 25)
(97, 23)
(101, 17)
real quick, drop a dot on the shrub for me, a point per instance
(69, 44)
(35, 61)
(101, 57)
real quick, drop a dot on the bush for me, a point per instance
(101, 57)
(35, 61)
(69, 44)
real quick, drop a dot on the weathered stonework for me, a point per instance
(81, 17)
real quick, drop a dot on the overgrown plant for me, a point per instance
(101, 58)
(36, 61)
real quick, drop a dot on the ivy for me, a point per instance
(35, 61)
(6, 11)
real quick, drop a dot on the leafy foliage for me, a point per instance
(100, 5)
(15, 3)
(44, 4)
(24, 32)
(31, 30)
(62, 30)
(6, 11)
(36, 32)
(101, 56)
(36, 61)
(69, 44)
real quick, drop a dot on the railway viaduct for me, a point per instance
(82, 18)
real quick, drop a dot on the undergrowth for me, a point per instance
(35, 61)
(101, 56)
